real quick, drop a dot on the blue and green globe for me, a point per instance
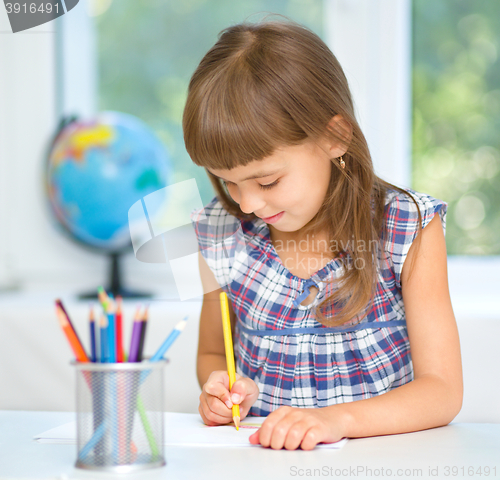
(97, 170)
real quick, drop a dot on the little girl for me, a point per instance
(343, 325)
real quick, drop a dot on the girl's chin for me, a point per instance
(284, 229)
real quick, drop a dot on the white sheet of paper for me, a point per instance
(183, 429)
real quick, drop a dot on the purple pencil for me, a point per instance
(133, 354)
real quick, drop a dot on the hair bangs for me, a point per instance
(237, 117)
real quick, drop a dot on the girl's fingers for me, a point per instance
(278, 435)
(211, 419)
(254, 438)
(214, 405)
(244, 392)
(312, 437)
(215, 399)
(218, 390)
(268, 429)
(239, 391)
(213, 411)
(290, 428)
(295, 436)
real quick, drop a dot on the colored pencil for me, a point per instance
(159, 354)
(104, 339)
(147, 427)
(228, 343)
(135, 338)
(65, 313)
(109, 334)
(111, 313)
(79, 352)
(142, 337)
(93, 351)
(119, 330)
(71, 335)
(103, 298)
(111, 331)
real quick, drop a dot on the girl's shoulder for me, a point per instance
(402, 209)
(223, 240)
(212, 223)
(212, 210)
(402, 223)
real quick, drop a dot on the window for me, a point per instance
(456, 117)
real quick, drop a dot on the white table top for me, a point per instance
(427, 454)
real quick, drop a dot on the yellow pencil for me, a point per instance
(228, 342)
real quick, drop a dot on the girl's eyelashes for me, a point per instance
(263, 187)
(269, 185)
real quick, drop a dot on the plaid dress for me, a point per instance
(294, 359)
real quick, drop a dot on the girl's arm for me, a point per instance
(215, 399)
(211, 354)
(432, 399)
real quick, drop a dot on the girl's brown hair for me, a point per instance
(273, 84)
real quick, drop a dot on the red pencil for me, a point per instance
(119, 330)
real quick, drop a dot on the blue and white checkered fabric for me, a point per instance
(294, 359)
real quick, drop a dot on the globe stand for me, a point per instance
(114, 285)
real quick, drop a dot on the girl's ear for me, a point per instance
(338, 136)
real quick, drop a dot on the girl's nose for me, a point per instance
(251, 202)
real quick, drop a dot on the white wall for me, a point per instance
(26, 119)
(33, 253)
(372, 41)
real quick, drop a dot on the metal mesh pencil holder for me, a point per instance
(119, 416)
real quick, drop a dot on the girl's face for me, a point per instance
(285, 189)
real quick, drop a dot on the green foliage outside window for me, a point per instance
(456, 117)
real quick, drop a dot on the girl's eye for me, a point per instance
(269, 185)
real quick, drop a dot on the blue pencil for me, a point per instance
(169, 340)
(104, 339)
(93, 350)
(110, 311)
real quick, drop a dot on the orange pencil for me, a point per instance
(70, 333)
(60, 304)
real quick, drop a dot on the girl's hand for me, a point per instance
(291, 428)
(216, 401)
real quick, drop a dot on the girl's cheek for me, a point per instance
(233, 193)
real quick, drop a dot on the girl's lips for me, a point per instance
(274, 218)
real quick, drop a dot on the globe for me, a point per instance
(96, 170)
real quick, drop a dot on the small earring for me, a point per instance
(342, 163)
